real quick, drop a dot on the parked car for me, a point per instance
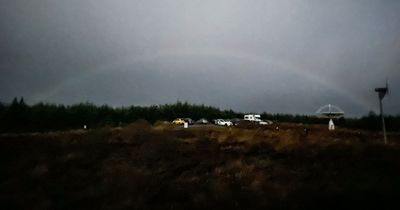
(264, 122)
(255, 118)
(224, 122)
(188, 120)
(202, 121)
(269, 122)
(235, 121)
(178, 121)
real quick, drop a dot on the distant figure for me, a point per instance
(84, 127)
(360, 136)
(277, 128)
(331, 125)
(305, 131)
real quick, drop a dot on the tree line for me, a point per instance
(18, 116)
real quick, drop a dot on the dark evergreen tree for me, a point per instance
(20, 117)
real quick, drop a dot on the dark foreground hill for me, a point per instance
(145, 166)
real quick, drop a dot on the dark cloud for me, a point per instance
(277, 56)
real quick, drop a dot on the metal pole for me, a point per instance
(383, 120)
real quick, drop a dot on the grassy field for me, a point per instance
(144, 166)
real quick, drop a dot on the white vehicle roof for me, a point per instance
(255, 115)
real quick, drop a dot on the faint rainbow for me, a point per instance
(296, 69)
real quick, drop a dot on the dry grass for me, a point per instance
(144, 166)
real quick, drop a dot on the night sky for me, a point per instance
(287, 56)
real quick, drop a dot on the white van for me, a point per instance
(256, 119)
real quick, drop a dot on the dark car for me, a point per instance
(188, 120)
(235, 121)
(214, 121)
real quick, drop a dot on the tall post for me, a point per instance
(383, 120)
(382, 91)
